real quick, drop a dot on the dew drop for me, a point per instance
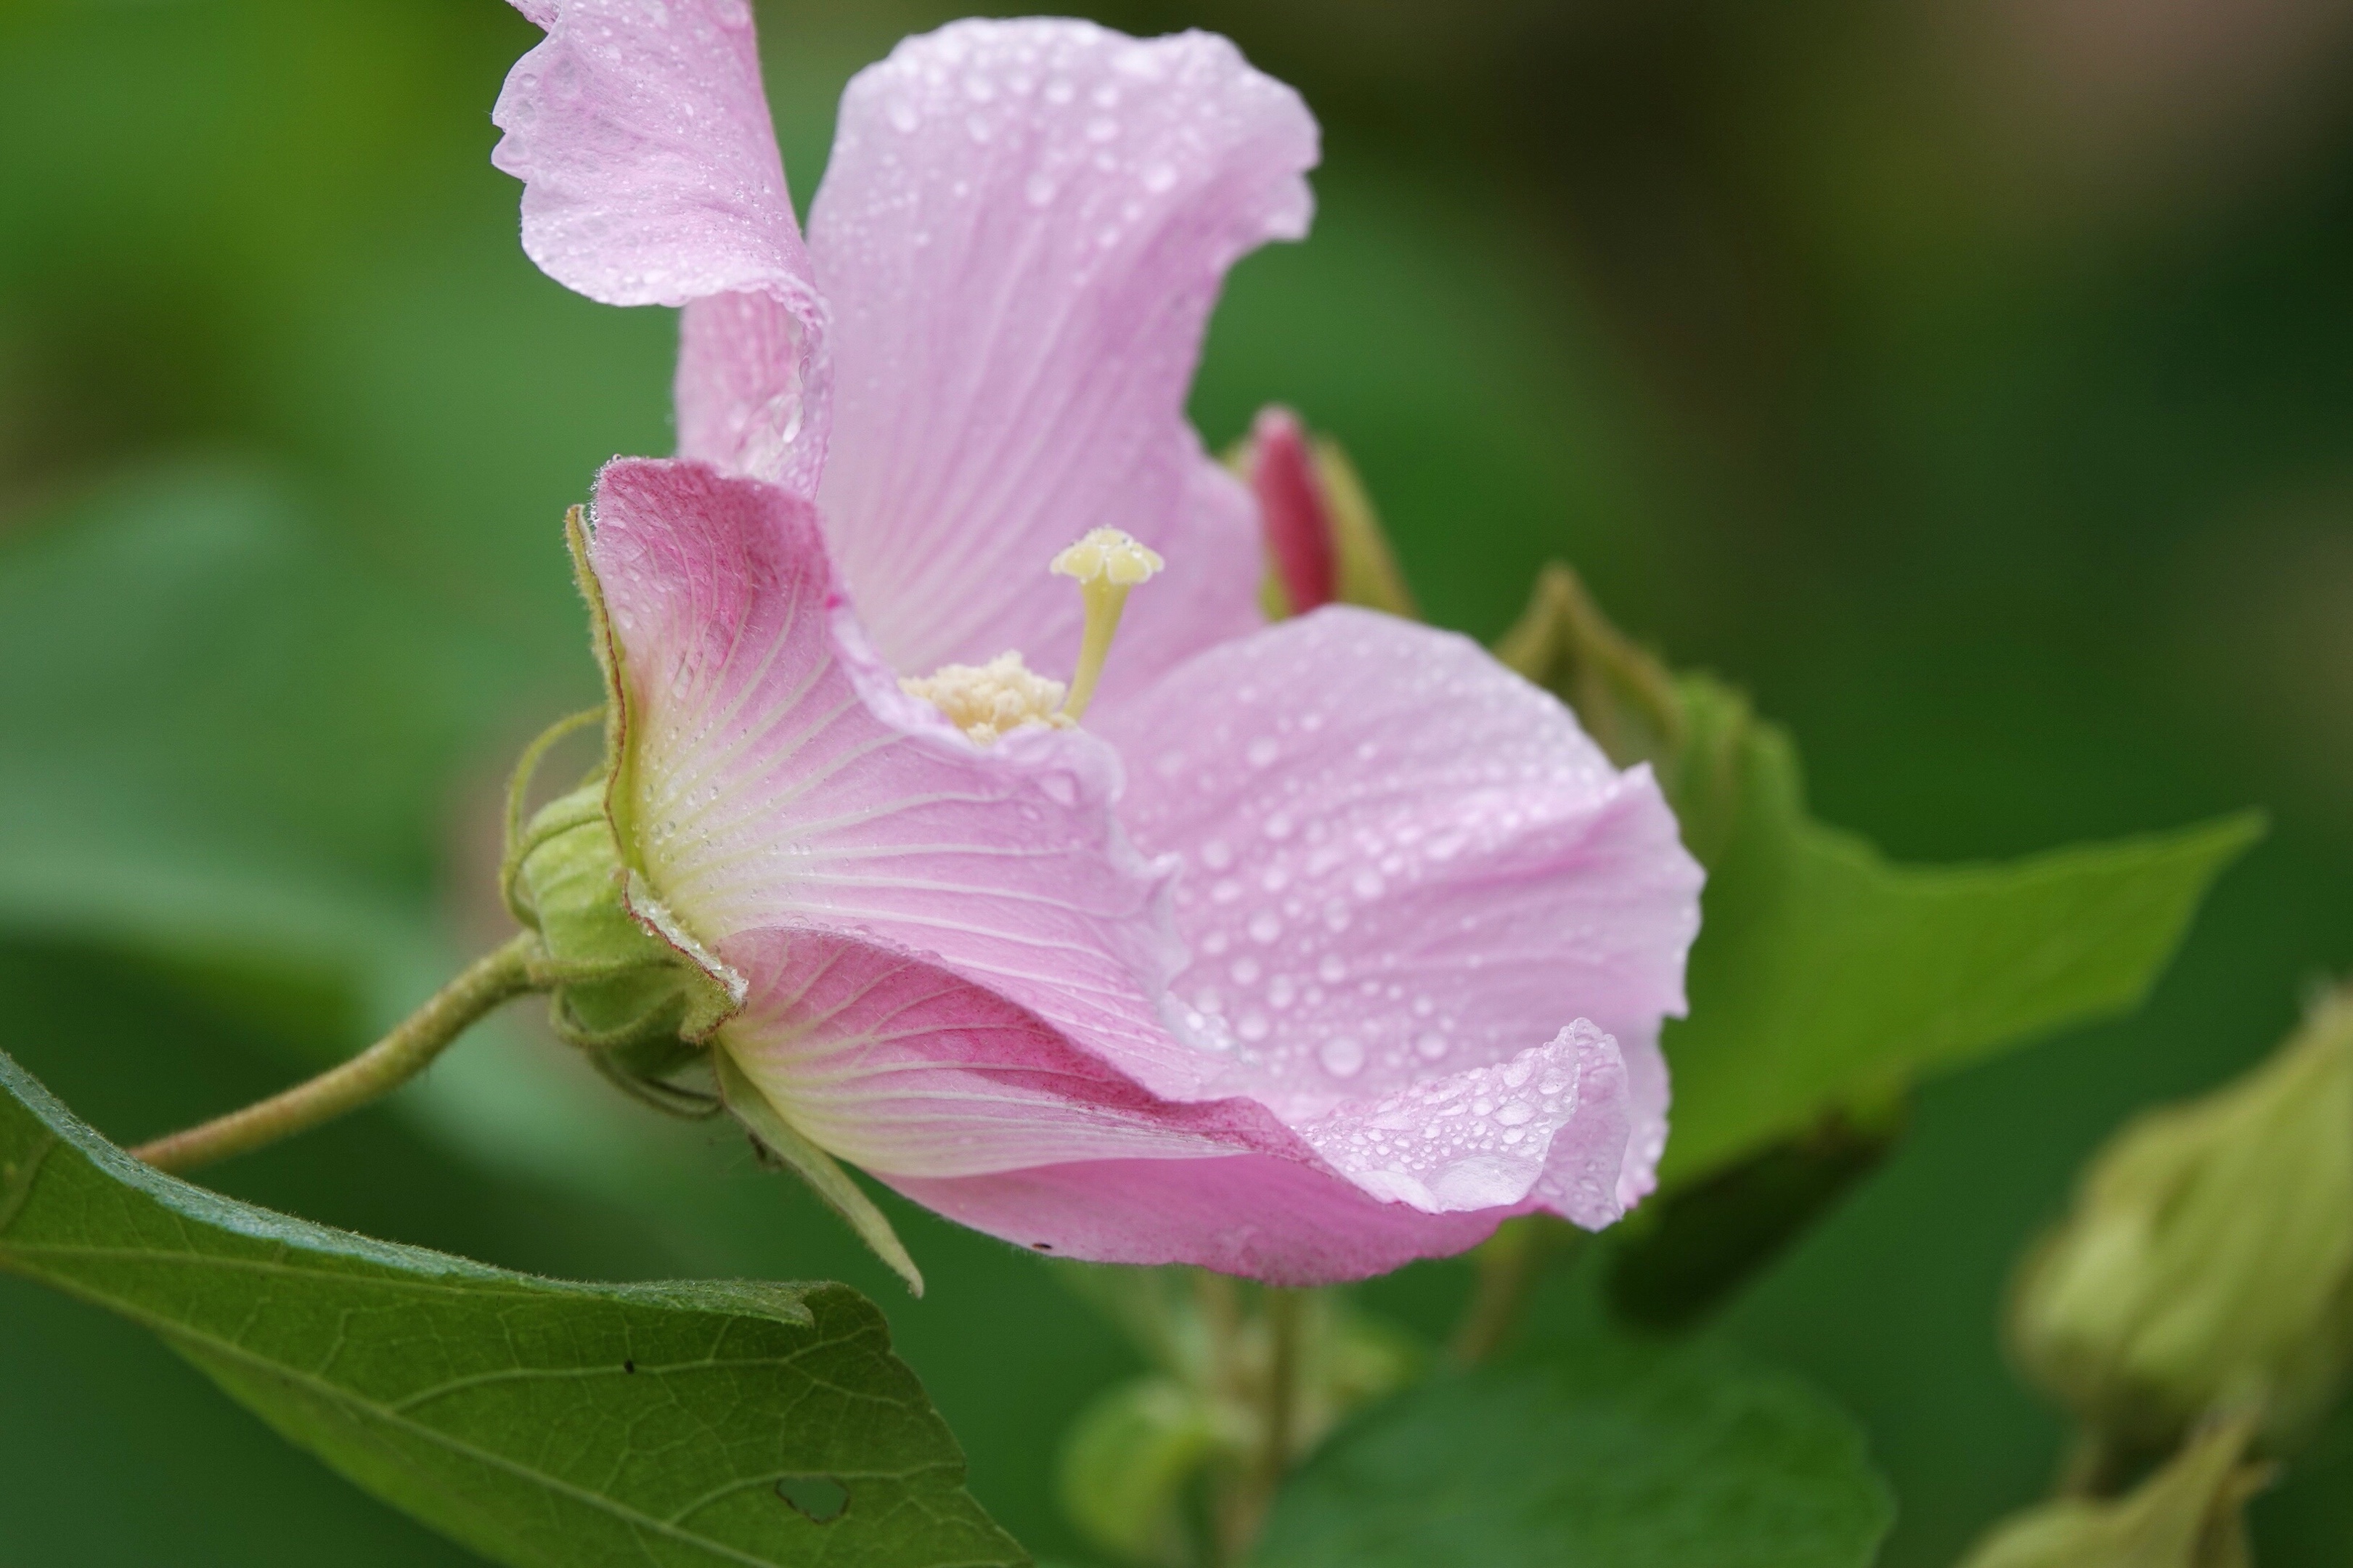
(1342, 1056)
(1251, 1027)
(1260, 751)
(1431, 1045)
(1041, 189)
(1226, 891)
(1217, 854)
(1518, 1114)
(904, 115)
(1281, 991)
(1331, 970)
(1246, 971)
(1159, 177)
(1265, 926)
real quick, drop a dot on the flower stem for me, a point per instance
(1509, 1262)
(1251, 1494)
(496, 977)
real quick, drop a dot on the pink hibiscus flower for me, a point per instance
(1319, 946)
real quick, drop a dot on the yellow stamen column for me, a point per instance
(1107, 563)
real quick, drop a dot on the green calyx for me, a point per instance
(638, 1004)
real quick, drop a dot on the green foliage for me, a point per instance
(1129, 1457)
(541, 1422)
(1608, 1454)
(232, 755)
(1826, 977)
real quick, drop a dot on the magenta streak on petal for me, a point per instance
(1292, 507)
(782, 780)
(1022, 230)
(650, 176)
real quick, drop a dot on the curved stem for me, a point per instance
(498, 976)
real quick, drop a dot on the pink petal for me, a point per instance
(780, 779)
(981, 1109)
(910, 1070)
(652, 177)
(1401, 860)
(1022, 230)
(1552, 1121)
(1261, 1216)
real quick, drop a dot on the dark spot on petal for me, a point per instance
(1043, 1246)
(820, 1500)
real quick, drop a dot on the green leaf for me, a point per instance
(1825, 978)
(1604, 1455)
(541, 1422)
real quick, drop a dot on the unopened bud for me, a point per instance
(2207, 1263)
(1324, 542)
(2189, 1514)
(1292, 508)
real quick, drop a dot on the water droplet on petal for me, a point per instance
(1342, 1056)
(1217, 854)
(1260, 752)
(1331, 970)
(1265, 926)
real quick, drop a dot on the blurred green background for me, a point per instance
(1974, 384)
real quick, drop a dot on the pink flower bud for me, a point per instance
(1293, 509)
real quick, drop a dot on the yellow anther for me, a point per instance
(986, 700)
(1107, 563)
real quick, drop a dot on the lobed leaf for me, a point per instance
(544, 1424)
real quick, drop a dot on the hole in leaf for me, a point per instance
(820, 1500)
